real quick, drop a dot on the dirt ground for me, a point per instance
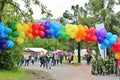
(37, 75)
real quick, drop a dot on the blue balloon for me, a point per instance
(9, 44)
(6, 35)
(51, 31)
(103, 47)
(115, 36)
(2, 36)
(106, 42)
(57, 35)
(112, 40)
(108, 35)
(6, 30)
(1, 27)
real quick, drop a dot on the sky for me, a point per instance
(58, 7)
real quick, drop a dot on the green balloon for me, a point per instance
(10, 37)
(66, 37)
(15, 34)
(10, 32)
(14, 28)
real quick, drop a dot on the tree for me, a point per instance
(10, 11)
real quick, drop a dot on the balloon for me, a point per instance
(41, 34)
(106, 42)
(97, 33)
(20, 40)
(15, 34)
(93, 38)
(47, 32)
(10, 37)
(25, 27)
(35, 32)
(117, 55)
(100, 40)
(115, 36)
(92, 31)
(3, 46)
(2, 35)
(6, 30)
(22, 34)
(30, 36)
(10, 31)
(103, 32)
(9, 44)
(51, 31)
(57, 35)
(35, 26)
(108, 35)
(112, 40)
(1, 27)
(13, 28)
(77, 39)
(2, 41)
(103, 47)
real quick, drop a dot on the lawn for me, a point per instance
(25, 74)
(12, 75)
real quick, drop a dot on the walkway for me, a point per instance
(70, 72)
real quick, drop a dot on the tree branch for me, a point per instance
(22, 12)
(1, 9)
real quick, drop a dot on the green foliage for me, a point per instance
(9, 59)
(10, 10)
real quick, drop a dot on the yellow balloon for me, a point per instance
(19, 27)
(25, 26)
(20, 40)
(22, 34)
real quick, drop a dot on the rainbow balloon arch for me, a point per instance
(16, 33)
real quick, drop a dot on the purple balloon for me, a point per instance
(2, 41)
(47, 22)
(48, 36)
(103, 32)
(100, 40)
(47, 32)
(0, 51)
(3, 46)
(97, 33)
(42, 24)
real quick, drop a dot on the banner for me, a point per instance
(102, 52)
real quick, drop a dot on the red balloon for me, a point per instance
(92, 31)
(93, 39)
(35, 26)
(35, 32)
(41, 34)
(42, 28)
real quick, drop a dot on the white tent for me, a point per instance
(36, 49)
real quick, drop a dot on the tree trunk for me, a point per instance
(79, 55)
(2, 3)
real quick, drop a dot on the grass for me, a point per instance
(12, 75)
(27, 74)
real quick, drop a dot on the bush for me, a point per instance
(9, 59)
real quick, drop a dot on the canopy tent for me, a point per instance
(35, 50)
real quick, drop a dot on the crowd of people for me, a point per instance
(46, 60)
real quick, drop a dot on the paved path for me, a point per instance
(70, 72)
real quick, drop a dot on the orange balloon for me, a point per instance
(30, 36)
(117, 55)
(85, 28)
(77, 39)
